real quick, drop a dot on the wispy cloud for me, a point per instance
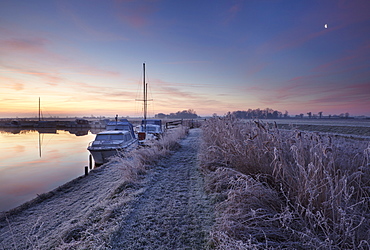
(353, 60)
(301, 93)
(338, 16)
(232, 11)
(135, 14)
(10, 83)
(98, 34)
(355, 93)
(256, 68)
(18, 86)
(33, 45)
(187, 62)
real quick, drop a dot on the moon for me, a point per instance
(326, 26)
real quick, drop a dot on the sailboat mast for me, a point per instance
(39, 109)
(144, 96)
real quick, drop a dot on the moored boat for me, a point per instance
(150, 129)
(111, 143)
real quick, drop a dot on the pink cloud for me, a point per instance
(289, 90)
(188, 62)
(18, 86)
(232, 12)
(49, 77)
(298, 40)
(10, 83)
(254, 69)
(91, 70)
(78, 21)
(344, 63)
(175, 92)
(174, 96)
(134, 13)
(356, 93)
(29, 45)
(235, 9)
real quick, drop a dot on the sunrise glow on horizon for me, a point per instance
(85, 58)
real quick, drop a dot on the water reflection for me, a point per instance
(36, 161)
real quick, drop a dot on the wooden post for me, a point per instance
(86, 170)
(90, 161)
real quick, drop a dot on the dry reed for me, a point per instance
(286, 188)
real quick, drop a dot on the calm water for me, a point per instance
(33, 162)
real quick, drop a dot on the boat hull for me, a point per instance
(103, 155)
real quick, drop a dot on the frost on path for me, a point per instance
(173, 212)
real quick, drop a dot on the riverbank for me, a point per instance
(55, 217)
(91, 212)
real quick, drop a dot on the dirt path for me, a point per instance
(173, 212)
(168, 210)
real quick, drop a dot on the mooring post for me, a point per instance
(86, 170)
(90, 161)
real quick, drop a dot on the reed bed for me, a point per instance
(286, 189)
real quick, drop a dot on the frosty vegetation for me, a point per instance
(285, 189)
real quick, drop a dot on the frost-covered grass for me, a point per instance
(135, 161)
(286, 189)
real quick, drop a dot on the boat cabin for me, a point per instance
(110, 143)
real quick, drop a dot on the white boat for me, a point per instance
(111, 143)
(149, 130)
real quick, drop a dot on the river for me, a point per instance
(34, 162)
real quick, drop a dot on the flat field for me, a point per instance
(356, 128)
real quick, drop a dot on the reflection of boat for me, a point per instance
(98, 124)
(12, 124)
(46, 124)
(78, 131)
(110, 143)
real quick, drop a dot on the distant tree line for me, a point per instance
(259, 114)
(185, 114)
(275, 114)
(319, 115)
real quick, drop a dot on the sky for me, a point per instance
(85, 58)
